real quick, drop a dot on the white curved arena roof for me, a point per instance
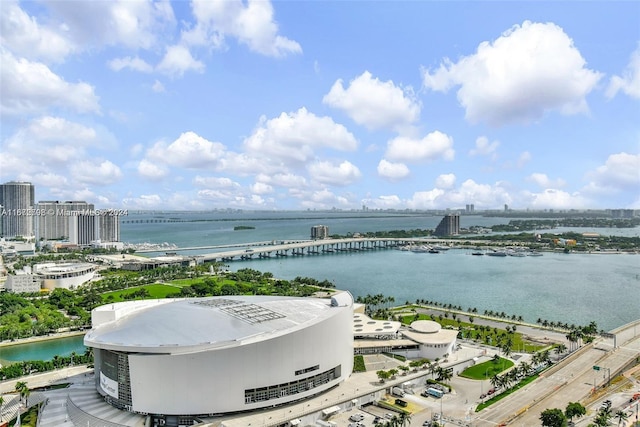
(196, 324)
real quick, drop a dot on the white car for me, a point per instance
(356, 417)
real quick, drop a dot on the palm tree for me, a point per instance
(524, 369)
(621, 416)
(405, 418)
(445, 374)
(1, 403)
(26, 394)
(495, 381)
(20, 387)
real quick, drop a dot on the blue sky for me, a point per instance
(320, 105)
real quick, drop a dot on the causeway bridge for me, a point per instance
(313, 247)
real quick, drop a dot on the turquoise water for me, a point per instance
(558, 287)
(42, 350)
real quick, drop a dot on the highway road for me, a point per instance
(571, 380)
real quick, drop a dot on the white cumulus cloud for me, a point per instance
(133, 63)
(543, 181)
(373, 103)
(133, 24)
(96, 172)
(484, 147)
(435, 145)
(261, 188)
(31, 87)
(340, 174)
(23, 35)
(151, 170)
(556, 199)
(531, 69)
(621, 171)
(215, 182)
(178, 60)
(392, 171)
(251, 23)
(190, 150)
(629, 82)
(295, 136)
(446, 181)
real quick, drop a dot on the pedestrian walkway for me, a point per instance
(81, 405)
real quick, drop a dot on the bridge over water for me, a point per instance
(270, 249)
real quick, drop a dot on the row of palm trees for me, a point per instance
(521, 371)
(376, 302)
(503, 315)
(434, 369)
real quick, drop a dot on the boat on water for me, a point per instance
(441, 247)
(494, 252)
(421, 249)
(434, 251)
(535, 253)
(477, 253)
(516, 253)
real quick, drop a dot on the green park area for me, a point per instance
(487, 370)
(153, 291)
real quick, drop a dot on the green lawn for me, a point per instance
(156, 291)
(358, 364)
(486, 370)
(186, 282)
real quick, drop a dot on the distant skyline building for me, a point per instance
(622, 213)
(54, 223)
(319, 232)
(448, 226)
(109, 226)
(82, 227)
(470, 208)
(17, 201)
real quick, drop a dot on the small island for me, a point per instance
(243, 227)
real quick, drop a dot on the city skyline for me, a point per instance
(321, 105)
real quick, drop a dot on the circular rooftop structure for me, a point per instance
(426, 326)
(169, 357)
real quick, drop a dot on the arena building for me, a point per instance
(178, 358)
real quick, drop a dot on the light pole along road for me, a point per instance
(571, 380)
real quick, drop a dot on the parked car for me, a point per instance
(356, 417)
